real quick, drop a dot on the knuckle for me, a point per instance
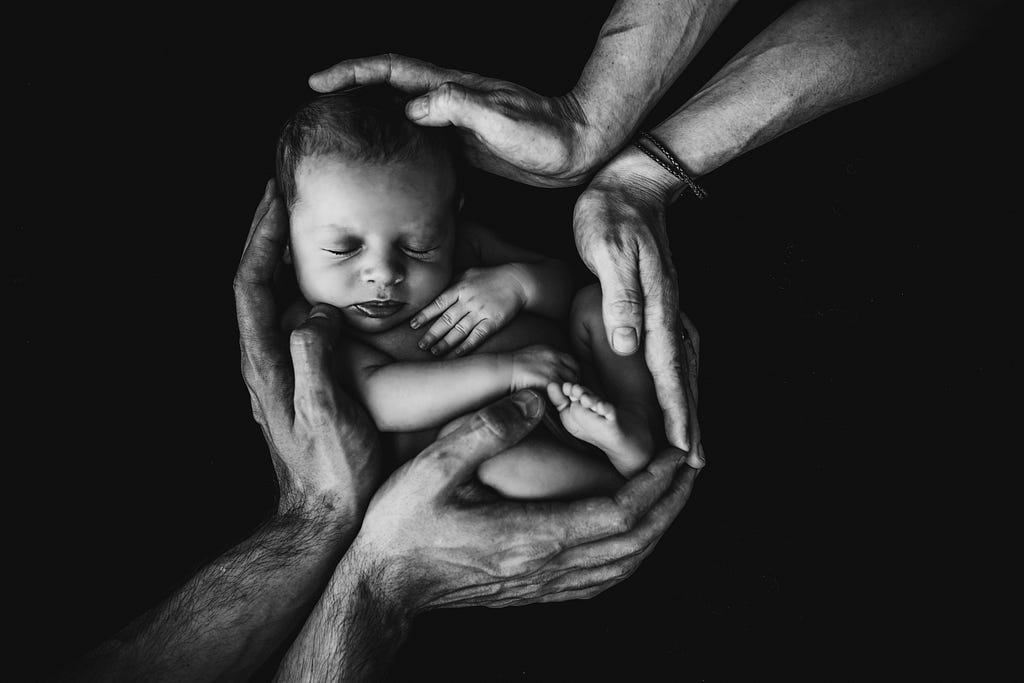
(626, 306)
(448, 90)
(621, 522)
(495, 420)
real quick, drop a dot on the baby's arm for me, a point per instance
(546, 282)
(404, 396)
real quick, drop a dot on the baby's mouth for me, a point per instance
(379, 308)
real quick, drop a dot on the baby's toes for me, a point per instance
(575, 392)
(604, 409)
(558, 396)
(588, 400)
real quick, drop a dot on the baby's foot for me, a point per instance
(624, 435)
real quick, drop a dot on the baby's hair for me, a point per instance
(364, 124)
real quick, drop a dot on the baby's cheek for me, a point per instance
(324, 287)
(430, 280)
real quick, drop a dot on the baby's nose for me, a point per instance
(384, 272)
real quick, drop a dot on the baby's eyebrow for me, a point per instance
(335, 227)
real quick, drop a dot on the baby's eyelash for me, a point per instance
(347, 252)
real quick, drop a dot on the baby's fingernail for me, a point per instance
(529, 403)
(624, 339)
(417, 109)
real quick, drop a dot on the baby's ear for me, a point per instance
(287, 257)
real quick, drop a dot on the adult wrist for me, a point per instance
(634, 169)
(595, 138)
(381, 584)
(330, 512)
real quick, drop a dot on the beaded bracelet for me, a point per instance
(672, 166)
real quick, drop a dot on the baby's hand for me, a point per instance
(535, 366)
(478, 304)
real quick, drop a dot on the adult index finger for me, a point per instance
(398, 71)
(580, 522)
(639, 540)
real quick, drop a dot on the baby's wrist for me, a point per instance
(522, 283)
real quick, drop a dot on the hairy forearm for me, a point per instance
(547, 287)
(353, 632)
(234, 612)
(818, 56)
(643, 46)
(407, 396)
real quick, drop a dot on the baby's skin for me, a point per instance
(444, 317)
(529, 353)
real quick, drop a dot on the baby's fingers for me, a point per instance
(434, 308)
(442, 325)
(481, 332)
(459, 331)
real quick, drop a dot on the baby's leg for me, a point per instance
(542, 467)
(624, 424)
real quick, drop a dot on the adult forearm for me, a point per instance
(353, 632)
(234, 612)
(407, 396)
(643, 46)
(818, 56)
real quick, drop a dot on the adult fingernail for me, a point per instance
(417, 109)
(414, 324)
(529, 404)
(624, 339)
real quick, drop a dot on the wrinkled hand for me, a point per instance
(478, 304)
(506, 129)
(324, 446)
(535, 366)
(426, 544)
(619, 225)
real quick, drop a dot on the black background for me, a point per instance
(845, 279)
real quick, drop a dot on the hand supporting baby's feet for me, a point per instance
(623, 434)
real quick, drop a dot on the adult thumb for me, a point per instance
(622, 306)
(449, 461)
(451, 104)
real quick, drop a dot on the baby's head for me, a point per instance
(372, 200)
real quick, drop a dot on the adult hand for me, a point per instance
(619, 225)
(425, 545)
(323, 445)
(506, 129)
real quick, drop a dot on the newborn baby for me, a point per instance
(375, 231)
